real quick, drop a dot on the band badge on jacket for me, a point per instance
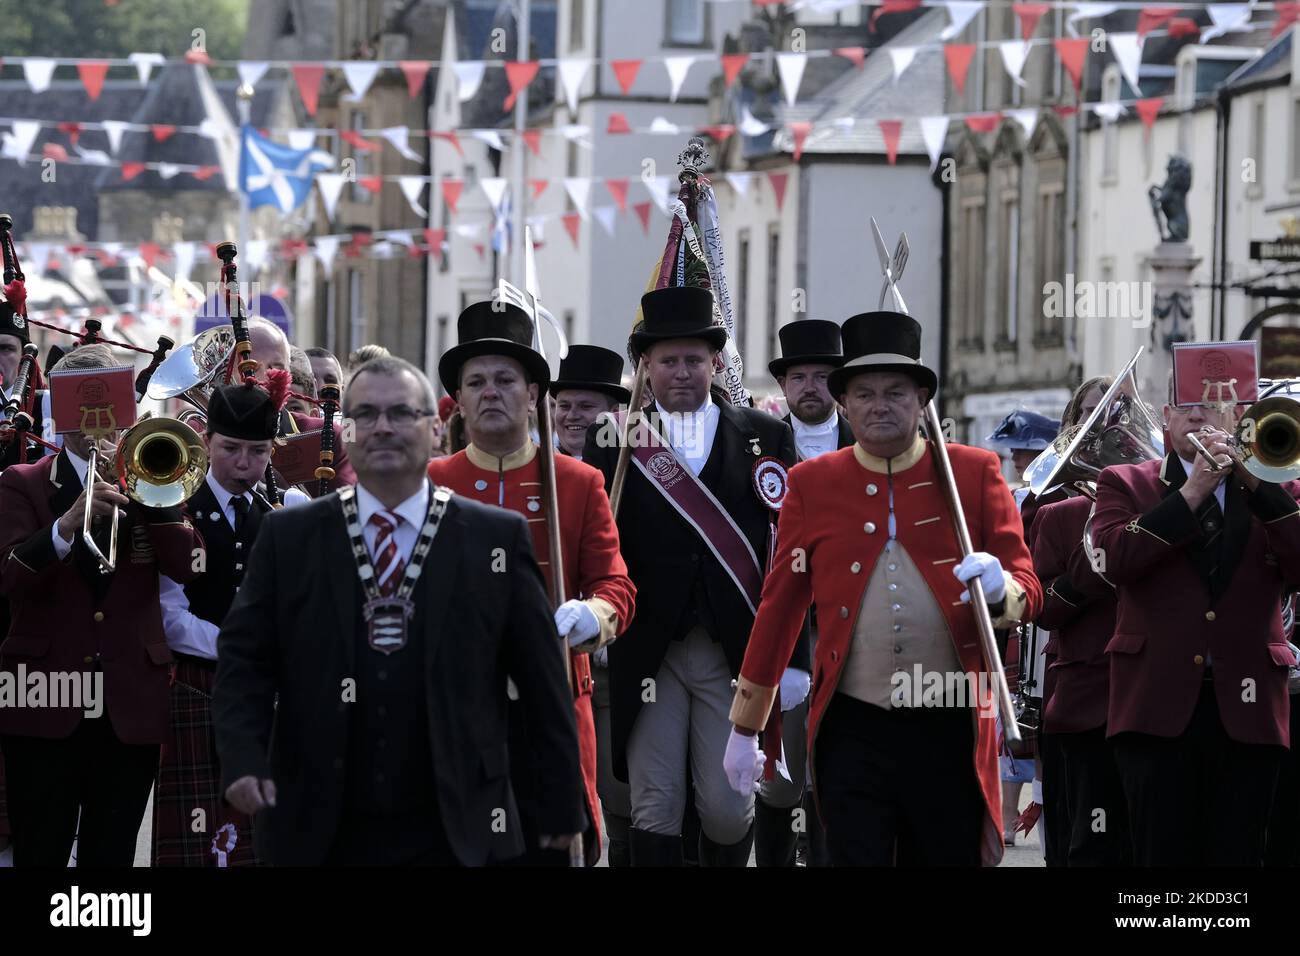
(771, 479)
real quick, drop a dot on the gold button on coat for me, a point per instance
(99, 616)
(1210, 615)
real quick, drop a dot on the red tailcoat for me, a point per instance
(593, 567)
(60, 621)
(1170, 617)
(832, 514)
(1079, 610)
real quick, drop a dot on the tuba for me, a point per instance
(192, 371)
(1122, 430)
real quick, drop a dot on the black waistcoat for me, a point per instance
(699, 610)
(212, 592)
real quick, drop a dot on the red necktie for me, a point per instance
(389, 565)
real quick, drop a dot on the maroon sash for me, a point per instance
(702, 511)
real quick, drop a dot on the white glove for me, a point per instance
(743, 763)
(795, 684)
(982, 565)
(577, 622)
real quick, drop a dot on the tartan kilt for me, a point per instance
(189, 779)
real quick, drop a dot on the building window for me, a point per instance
(1109, 133)
(1009, 249)
(686, 25)
(577, 14)
(971, 326)
(773, 264)
(1256, 189)
(1051, 256)
(742, 288)
(356, 192)
(356, 309)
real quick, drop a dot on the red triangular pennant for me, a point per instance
(855, 53)
(892, 130)
(450, 137)
(1072, 53)
(571, 220)
(357, 141)
(720, 133)
(92, 76)
(1029, 14)
(1180, 27)
(434, 239)
(983, 122)
(415, 72)
(893, 6)
(198, 56)
(451, 190)
(205, 172)
(371, 183)
(958, 56)
(618, 124)
(778, 181)
(519, 73)
(1152, 18)
(1148, 109)
(1288, 11)
(481, 250)
(539, 187)
(161, 131)
(642, 210)
(533, 137)
(1065, 112)
(149, 253)
(618, 189)
(131, 170)
(73, 130)
(55, 152)
(732, 64)
(308, 77)
(799, 131)
(625, 72)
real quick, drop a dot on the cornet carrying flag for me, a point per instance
(272, 174)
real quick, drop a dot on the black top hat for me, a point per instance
(881, 342)
(678, 312)
(243, 411)
(807, 341)
(493, 328)
(592, 367)
(11, 323)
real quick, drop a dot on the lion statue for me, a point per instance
(1169, 201)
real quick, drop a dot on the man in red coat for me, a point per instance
(1199, 713)
(498, 379)
(904, 761)
(94, 762)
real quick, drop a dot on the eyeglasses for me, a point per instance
(399, 416)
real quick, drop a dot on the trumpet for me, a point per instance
(162, 461)
(1267, 439)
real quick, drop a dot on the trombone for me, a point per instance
(1267, 439)
(162, 462)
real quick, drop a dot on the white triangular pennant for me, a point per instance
(325, 247)
(902, 57)
(961, 13)
(19, 143)
(1128, 54)
(605, 216)
(1089, 11)
(469, 74)
(1109, 111)
(167, 170)
(574, 131)
(397, 236)
(92, 157)
(659, 125)
(211, 128)
(113, 249)
(1028, 120)
(740, 182)
(579, 189)
(1014, 53)
(302, 138)
(678, 67)
(411, 186)
(749, 125)
(399, 136)
(360, 74)
(38, 70)
(657, 186)
(791, 66)
(494, 187)
(469, 230)
(38, 254)
(183, 254)
(250, 71)
(491, 137)
(1228, 18)
(934, 130)
(114, 129)
(330, 185)
(144, 64)
(572, 73)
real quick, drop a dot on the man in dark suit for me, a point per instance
(69, 618)
(671, 672)
(1199, 713)
(387, 744)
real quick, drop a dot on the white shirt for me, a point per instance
(186, 632)
(814, 440)
(691, 434)
(63, 548)
(412, 511)
(1219, 489)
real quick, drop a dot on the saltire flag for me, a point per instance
(272, 174)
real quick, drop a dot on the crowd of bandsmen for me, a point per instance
(394, 672)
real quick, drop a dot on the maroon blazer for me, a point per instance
(1079, 610)
(65, 615)
(1173, 615)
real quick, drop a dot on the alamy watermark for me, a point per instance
(1133, 301)
(57, 690)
